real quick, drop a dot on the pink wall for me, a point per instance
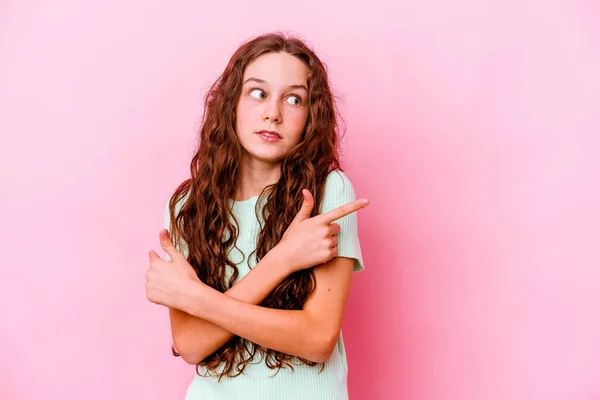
(472, 128)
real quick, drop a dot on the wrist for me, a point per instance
(280, 260)
(192, 295)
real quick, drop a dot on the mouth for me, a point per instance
(269, 134)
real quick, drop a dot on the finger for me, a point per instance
(154, 256)
(334, 229)
(167, 244)
(342, 211)
(305, 208)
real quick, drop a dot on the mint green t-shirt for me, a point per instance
(304, 382)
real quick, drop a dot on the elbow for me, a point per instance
(322, 347)
(190, 357)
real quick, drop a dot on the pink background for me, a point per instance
(472, 127)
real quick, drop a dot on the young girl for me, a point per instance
(257, 283)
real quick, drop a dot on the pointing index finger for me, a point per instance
(344, 210)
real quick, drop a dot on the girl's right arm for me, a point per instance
(195, 338)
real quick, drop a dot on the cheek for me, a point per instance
(298, 118)
(244, 111)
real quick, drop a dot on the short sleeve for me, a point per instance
(339, 191)
(182, 247)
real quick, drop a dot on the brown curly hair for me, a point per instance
(203, 222)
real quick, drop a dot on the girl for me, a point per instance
(257, 284)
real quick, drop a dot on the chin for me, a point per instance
(266, 156)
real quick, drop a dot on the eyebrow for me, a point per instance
(265, 82)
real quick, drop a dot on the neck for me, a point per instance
(254, 176)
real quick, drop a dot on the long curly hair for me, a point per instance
(203, 222)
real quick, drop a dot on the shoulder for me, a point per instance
(167, 211)
(179, 204)
(181, 245)
(338, 190)
(338, 183)
(337, 180)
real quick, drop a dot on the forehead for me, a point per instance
(278, 68)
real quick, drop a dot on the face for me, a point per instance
(273, 107)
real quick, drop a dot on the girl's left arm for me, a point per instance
(310, 333)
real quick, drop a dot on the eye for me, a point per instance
(296, 100)
(258, 94)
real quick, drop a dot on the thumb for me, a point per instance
(167, 244)
(153, 256)
(307, 206)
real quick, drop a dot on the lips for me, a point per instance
(270, 134)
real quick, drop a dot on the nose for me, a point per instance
(272, 113)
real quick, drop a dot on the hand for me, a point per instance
(168, 282)
(311, 241)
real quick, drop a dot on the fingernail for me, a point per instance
(365, 201)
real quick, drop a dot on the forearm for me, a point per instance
(196, 338)
(293, 332)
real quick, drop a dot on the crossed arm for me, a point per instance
(211, 318)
